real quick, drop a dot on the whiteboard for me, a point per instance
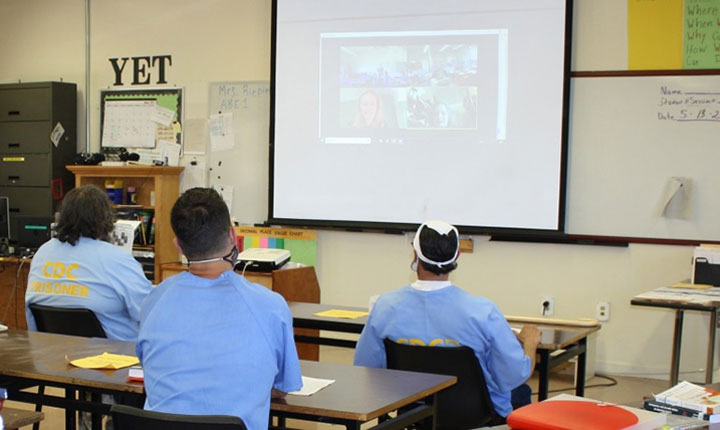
(244, 165)
(628, 137)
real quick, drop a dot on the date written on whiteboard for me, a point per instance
(688, 106)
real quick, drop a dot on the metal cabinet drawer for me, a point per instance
(24, 137)
(25, 104)
(28, 170)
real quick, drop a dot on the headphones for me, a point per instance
(86, 158)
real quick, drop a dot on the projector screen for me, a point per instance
(389, 113)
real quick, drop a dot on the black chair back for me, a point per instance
(71, 321)
(129, 418)
(466, 404)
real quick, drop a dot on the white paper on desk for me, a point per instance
(163, 116)
(124, 234)
(311, 386)
(222, 137)
(676, 200)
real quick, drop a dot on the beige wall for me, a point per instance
(216, 40)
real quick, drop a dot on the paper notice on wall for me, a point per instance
(170, 152)
(193, 176)
(226, 191)
(162, 116)
(195, 139)
(222, 137)
(676, 199)
(57, 134)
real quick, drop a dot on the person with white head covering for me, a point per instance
(433, 312)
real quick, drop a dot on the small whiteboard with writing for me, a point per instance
(240, 116)
(632, 139)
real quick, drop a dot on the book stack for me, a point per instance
(689, 400)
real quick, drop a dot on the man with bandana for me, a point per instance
(211, 342)
(433, 312)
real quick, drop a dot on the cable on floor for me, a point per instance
(612, 382)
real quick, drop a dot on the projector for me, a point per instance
(262, 259)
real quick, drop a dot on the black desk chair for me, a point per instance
(70, 321)
(466, 404)
(129, 418)
(74, 322)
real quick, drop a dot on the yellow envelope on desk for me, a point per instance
(106, 361)
(340, 313)
(690, 286)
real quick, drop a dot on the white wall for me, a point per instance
(218, 40)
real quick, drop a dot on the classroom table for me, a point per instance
(682, 300)
(16, 418)
(558, 343)
(358, 395)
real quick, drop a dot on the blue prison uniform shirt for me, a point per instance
(448, 317)
(216, 346)
(91, 274)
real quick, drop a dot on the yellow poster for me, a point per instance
(655, 34)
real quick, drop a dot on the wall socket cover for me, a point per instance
(546, 312)
(602, 311)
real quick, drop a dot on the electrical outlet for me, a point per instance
(547, 306)
(602, 311)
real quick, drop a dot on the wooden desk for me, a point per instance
(680, 301)
(16, 418)
(358, 395)
(8, 272)
(572, 341)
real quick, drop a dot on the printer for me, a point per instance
(262, 259)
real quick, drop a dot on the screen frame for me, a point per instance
(399, 227)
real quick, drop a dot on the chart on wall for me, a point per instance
(146, 121)
(673, 34)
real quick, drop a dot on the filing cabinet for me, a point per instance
(32, 167)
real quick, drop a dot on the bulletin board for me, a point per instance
(140, 118)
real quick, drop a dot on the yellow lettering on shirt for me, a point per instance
(59, 288)
(45, 271)
(58, 270)
(433, 342)
(70, 269)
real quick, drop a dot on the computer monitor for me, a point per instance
(4, 217)
(33, 231)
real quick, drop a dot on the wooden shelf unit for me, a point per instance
(162, 181)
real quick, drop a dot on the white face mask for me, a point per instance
(442, 228)
(413, 265)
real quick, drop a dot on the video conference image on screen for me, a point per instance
(406, 83)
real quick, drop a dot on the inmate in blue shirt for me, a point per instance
(91, 274)
(448, 317)
(216, 346)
